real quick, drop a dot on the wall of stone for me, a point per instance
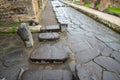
(20, 10)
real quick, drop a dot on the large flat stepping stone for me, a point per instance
(51, 28)
(47, 75)
(49, 36)
(49, 53)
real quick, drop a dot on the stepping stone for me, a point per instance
(51, 28)
(47, 75)
(49, 53)
(49, 36)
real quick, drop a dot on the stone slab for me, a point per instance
(89, 71)
(116, 55)
(47, 75)
(51, 28)
(87, 55)
(50, 53)
(108, 63)
(48, 36)
(110, 76)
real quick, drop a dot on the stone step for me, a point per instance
(51, 28)
(47, 75)
(48, 36)
(48, 52)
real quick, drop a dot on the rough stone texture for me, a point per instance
(104, 4)
(107, 51)
(48, 52)
(25, 35)
(116, 55)
(35, 28)
(89, 71)
(47, 75)
(87, 55)
(23, 10)
(93, 3)
(50, 28)
(108, 63)
(49, 36)
(110, 76)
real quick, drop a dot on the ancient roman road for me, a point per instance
(94, 47)
(88, 50)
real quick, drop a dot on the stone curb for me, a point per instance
(111, 21)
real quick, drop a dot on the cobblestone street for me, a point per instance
(88, 50)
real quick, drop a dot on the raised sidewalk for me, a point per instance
(111, 21)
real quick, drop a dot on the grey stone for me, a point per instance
(14, 57)
(110, 76)
(49, 36)
(89, 71)
(107, 51)
(114, 45)
(87, 55)
(79, 46)
(48, 52)
(116, 55)
(63, 27)
(52, 28)
(108, 63)
(47, 75)
(25, 35)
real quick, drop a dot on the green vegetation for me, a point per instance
(11, 27)
(77, 2)
(114, 10)
(9, 24)
(87, 5)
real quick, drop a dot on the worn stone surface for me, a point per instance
(110, 76)
(48, 52)
(116, 55)
(47, 75)
(108, 63)
(50, 28)
(107, 51)
(89, 71)
(87, 55)
(26, 35)
(48, 36)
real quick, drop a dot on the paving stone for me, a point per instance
(116, 55)
(87, 55)
(77, 47)
(48, 52)
(47, 75)
(14, 57)
(110, 76)
(107, 38)
(48, 36)
(114, 45)
(107, 51)
(51, 28)
(108, 63)
(89, 71)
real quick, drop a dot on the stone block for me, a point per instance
(25, 34)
